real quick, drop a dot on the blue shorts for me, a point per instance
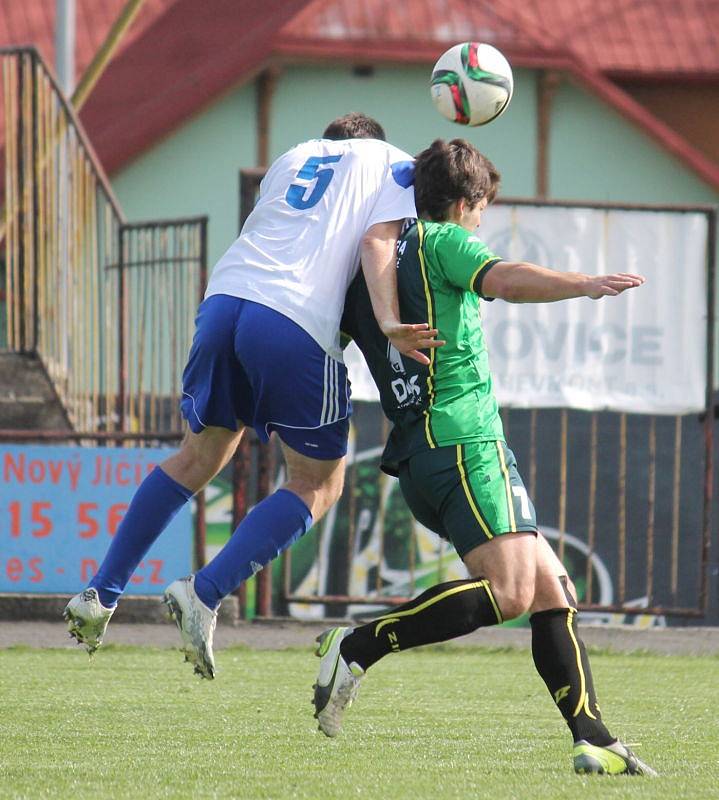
(253, 364)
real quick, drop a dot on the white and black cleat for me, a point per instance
(337, 683)
(87, 619)
(196, 623)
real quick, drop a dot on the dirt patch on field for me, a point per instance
(277, 635)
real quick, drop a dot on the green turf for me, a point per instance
(433, 724)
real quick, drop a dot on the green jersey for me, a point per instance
(440, 269)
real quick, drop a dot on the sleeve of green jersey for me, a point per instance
(463, 258)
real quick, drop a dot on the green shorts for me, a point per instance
(467, 493)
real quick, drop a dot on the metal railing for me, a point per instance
(107, 306)
(631, 530)
(61, 225)
(162, 276)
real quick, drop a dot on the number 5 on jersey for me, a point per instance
(311, 171)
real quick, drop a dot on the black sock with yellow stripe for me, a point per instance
(561, 659)
(443, 612)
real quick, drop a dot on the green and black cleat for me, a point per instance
(614, 759)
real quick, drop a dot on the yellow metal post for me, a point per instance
(107, 50)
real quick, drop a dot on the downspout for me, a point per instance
(265, 87)
(547, 85)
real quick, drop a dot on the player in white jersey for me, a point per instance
(266, 354)
(319, 198)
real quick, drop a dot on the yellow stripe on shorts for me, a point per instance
(468, 493)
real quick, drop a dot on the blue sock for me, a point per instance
(151, 510)
(271, 527)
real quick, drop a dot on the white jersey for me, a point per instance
(299, 249)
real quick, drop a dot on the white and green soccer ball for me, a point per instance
(472, 84)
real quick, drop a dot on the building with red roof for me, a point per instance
(663, 53)
(615, 100)
(201, 93)
(32, 22)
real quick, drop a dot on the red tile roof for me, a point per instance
(25, 22)
(649, 37)
(181, 54)
(657, 38)
(415, 25)
(177, 65)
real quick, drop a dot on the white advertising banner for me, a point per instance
(641, 352)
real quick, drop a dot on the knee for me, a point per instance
(203, 463)
(320, 494)
(330, 491)
(513, 599)
(553, 591)
(189, 470)
(570, 590)
(330, 487)
(334, 487)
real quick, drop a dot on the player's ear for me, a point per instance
(456, 210)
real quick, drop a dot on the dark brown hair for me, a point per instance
(354, 126)
(447, 172)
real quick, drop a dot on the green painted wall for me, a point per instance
(194, 171)
(596, 154)
(399, 98)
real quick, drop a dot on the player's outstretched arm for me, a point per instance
(522, 282)
(379, 263)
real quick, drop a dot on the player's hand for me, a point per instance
(612, 285)
(410, 339)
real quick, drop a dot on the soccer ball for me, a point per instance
(472, 84)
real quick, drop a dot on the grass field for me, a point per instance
(440, 723)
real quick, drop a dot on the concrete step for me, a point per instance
(27, 397)
(133, 608)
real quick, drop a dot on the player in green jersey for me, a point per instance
(455, 470)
